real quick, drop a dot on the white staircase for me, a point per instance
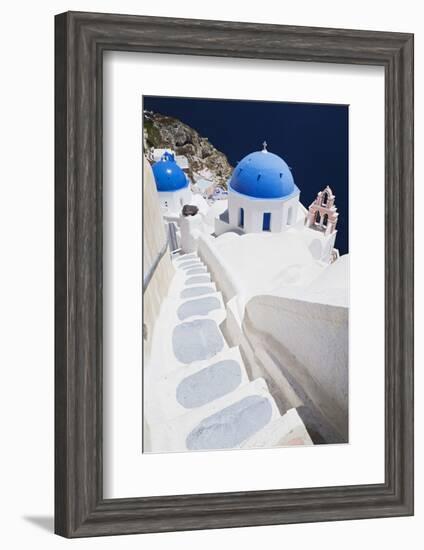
(203, 398)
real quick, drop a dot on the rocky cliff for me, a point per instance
(204, 160)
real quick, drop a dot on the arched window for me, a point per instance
(266, 224)
(325, 220)
(290, 216)
(241, 217)
(324, 199)
(317, 217)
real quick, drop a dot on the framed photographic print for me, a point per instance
(234, 274)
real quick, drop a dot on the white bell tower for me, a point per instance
(322, 218)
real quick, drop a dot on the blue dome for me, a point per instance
(263, 175)
(168, 175)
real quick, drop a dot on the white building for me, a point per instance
(262, 196)
(172, 184)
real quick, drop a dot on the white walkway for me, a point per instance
(197, 395)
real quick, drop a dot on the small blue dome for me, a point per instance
(263, 175)
(168, 175)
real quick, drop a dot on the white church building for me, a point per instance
(263, 198)
(171, 182)
(262, 195)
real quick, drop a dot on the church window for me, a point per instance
(266, 224)
(241, 217)
(290, 216)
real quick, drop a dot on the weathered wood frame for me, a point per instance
(81, 39)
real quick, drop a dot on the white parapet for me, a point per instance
(190, 228)
(287, 430)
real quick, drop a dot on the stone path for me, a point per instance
(197, 395)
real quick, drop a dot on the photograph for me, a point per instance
(245, 274)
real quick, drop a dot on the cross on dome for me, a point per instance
(265, 145)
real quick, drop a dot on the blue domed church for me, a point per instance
(171, 183)
(262, 195)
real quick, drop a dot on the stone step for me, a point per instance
(182, 281)
(196, 291)
(185, 292)
(195, 385)
(201, 279)
(185, 257)
(287, 430)
(179, 342)
(224, 423)
(199, 269)
(195, 340)
(189, 264)
(185, 277)
(208, 306)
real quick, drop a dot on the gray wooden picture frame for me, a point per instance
(80, 40)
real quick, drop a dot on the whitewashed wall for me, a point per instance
(254, 210)
(154, 240)
(309, 342)
(173, 201)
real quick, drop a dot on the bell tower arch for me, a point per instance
(322, 214)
